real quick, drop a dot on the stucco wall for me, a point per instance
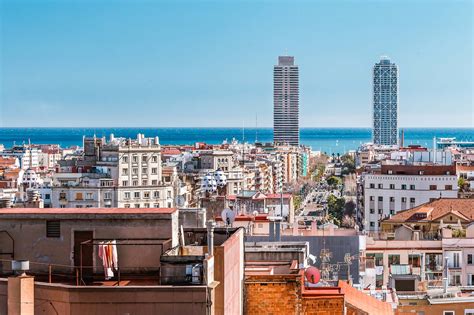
(68, 300)
(32, 244)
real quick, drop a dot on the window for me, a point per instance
(414, 260)
(144, 158)
(380, 211)
(412, 187)
(146, 194)
(412, 200)
(372, 223)
(147, 205)
(433, 187)
(47, 196)
(469, 259)
(371, 198)
(62, 196)
(88, 196)
(125, 183)
(393, 260)
(372, 211)
(372, 185)
(156, 205)
(380, 198)
(456, 260)
(136, 195)
(392, 199)
(469, 311)
(168, 194)
(377, 257)
(124, 171)
(404, 199)
(448, 187)
(144, 182)
(135, 183)
(126, 195)
(79, 196)
(392, 212)
(135, 171)
(154, 182)
(53, 228)
(380, 186)
(154, 159)
(135, 159)
(154, 170)
(127, 205)
(404, 187)
(125, 159)
(449, 313)
(470, 279)
(392, 186)
(137, 205)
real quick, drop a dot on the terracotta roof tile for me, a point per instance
(437, 209)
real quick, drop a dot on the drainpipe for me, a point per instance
(210, 237)
(446, 275)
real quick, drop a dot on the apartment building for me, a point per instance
(123, 173)
(399, 187)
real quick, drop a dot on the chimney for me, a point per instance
(21, 290)
(210, 237)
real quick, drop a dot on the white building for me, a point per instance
(401, 187)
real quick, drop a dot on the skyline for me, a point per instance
(109, 61)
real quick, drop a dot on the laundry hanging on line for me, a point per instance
(108, 254)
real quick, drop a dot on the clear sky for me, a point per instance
(199, 63)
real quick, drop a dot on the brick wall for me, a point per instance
(282, 294)
(272, 295)
(323, 306)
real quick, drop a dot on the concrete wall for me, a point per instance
(68, 300)
(229, 271)
(32, 244)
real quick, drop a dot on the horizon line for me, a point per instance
(221, 127)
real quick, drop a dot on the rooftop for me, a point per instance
(437, 209)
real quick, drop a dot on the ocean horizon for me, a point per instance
(329, 140)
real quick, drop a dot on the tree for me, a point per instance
(349, 208)
(334, 181)
(335, 207)
(348, 162)
(462, 183)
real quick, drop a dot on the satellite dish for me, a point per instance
(312, 274)
(179, 200)
(228, 216)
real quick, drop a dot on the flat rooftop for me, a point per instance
(85, 210)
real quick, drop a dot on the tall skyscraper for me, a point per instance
(286, 101)
(385, 98)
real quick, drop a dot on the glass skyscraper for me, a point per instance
(385, 99)
(286, 101)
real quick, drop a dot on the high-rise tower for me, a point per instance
(385, 101)
(286, 101)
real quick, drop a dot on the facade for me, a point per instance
(122, 173)
(156, 272)
(286, 101)
(401, 187)
(385, 102)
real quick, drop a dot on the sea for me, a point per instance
(328, 140)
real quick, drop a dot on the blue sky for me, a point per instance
(195, 63)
